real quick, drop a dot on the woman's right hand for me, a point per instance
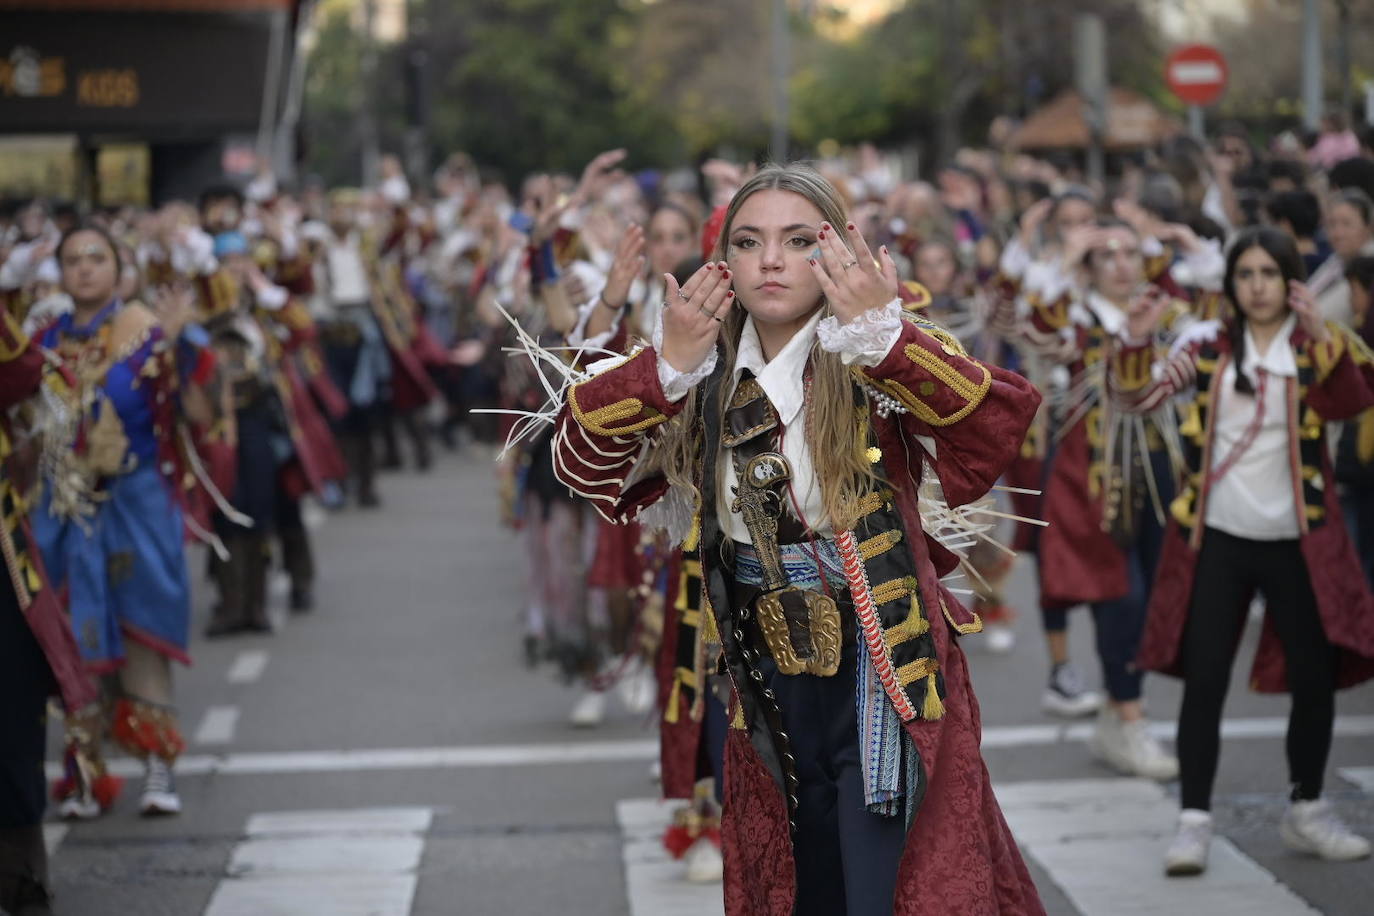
(694, 315)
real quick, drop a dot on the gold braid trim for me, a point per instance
(594, 420)
(963, 629)
(1327, 355)
(972, 392)
(879, 544)
(893, 590)
(8, 352)
(914, 671)
(915, 625)
(1133, 368)
(871, 502)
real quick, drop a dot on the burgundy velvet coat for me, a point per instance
(21, 372)
(960, 855)
(1335, 381)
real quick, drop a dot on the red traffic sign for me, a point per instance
(1196, 74)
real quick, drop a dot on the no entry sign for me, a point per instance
(1196, 74)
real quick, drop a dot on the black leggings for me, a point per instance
(1229, 571)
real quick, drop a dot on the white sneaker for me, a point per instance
(159, 797)
(1129, 748)
(1313, 827)
(1187, 854)
(1000, 638)
(638, 688)
(704, 864)
(79, 807)
(1067, 696)
(589, 711)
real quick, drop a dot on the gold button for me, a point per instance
(927, 389)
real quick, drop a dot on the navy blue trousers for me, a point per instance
(846, 857)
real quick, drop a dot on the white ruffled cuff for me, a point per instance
(865, 340)
(1204, 268)
(577, 337)
(676, 384)
(1015, 259)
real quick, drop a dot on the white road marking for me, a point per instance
(53, 835)
(361, 862)
(1103, 842)
(654, 883)
(248, 666)
(1360, 776)
(554, 753)
(217, 725)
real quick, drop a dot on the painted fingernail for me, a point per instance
(727, 275)
(730, 295)
(851, 227)
(822, 235)
(811, 261)
(710, 267)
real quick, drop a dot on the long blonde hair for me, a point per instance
(836, 425)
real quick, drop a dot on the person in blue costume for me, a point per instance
(108, 519)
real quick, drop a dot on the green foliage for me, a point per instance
(529, 85)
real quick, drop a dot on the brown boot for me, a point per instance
(24, 889)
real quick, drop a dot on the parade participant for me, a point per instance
(354, 348)
(825, 588)
(1037, 250)
(1258, 512)
(1355, 450)
(1350, 230)
(109, 523)
(1110, 476)
(952, 306)
(38, 654)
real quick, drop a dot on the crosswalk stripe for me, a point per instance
(53, 835)
(248, 666)
(653, 881)
(623, 750)
(1360, 776)
(359, 862)
(217, 726)
(1102, 841)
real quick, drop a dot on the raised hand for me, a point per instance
(174, 306)
(628, 264)
(694, 315)
(1302, 303)
(852, 281)
(597, 173)
(1033, 219)
(1144, 312)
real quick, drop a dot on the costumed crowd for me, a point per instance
(772, 438)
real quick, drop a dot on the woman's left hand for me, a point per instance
(852, 281)
(1302, 303)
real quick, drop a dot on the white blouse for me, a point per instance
(1254, 499)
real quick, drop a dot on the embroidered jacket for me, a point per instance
(924, 388)
(1335, 381)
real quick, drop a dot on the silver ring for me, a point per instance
(718, 318)
(850, 264)
(702, 308)
(683, 296)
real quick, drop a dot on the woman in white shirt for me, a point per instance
(1258, 512)
(793, 432)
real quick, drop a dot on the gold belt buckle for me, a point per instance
(823, 626)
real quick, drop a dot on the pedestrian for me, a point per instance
(852, 763)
